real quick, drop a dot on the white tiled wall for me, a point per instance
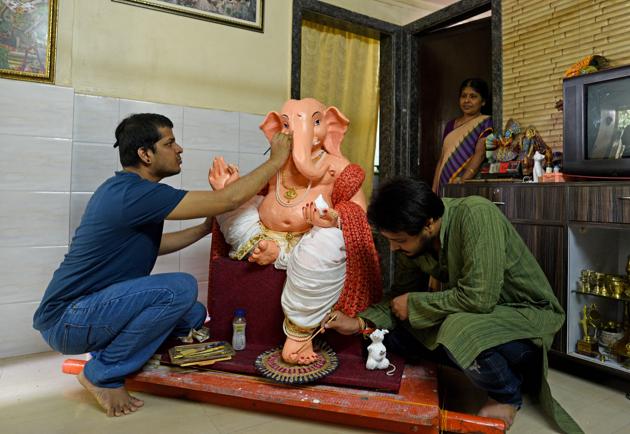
(57, 149)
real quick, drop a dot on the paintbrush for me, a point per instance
(321, 329)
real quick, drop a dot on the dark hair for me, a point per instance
(403, 205)
(138, 131)
(481, 87)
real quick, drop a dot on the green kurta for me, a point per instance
(495, 292)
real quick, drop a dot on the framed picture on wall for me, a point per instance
(247, 14)
(27, 39)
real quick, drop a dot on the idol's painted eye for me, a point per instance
(285, 125)
(317, 122)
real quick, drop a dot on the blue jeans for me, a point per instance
(498, 370)
(124, 324)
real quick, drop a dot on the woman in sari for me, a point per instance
(463, 141)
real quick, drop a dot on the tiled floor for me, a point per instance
(35, 397)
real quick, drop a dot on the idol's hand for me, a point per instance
(329, 219)
(222, 174)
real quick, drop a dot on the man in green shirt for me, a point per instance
(496, 309)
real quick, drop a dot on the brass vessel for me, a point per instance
(617, 285)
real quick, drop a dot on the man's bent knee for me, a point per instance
(189, 288)
(183, 286)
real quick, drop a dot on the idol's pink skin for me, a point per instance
(316, 159)
(315, 128)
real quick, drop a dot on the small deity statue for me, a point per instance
(327, 250)
(503, 147)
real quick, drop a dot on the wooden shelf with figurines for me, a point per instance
(521, 155)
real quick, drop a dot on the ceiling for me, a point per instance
(420, 4)
(411, 10)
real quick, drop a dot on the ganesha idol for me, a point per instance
(311, 222)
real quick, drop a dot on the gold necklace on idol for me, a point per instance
(290, 192)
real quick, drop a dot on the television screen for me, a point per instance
(608, 120)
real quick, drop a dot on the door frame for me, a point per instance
(444, 17)
(390, 36)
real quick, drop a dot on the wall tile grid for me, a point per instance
(36, 140)
(64, 142)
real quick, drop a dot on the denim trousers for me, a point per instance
(499, 370)
(123, 324)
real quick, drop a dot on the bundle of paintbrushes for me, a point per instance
(203, 354)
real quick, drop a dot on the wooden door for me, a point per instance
(446, 58)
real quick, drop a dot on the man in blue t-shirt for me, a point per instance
(102, 298)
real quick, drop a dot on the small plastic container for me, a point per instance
(238, 330)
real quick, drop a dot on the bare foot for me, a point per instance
(290, 354)
(494, 409)
(266, 252)
(116, 402)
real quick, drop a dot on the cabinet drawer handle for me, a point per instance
(502, 203)
(624, 198)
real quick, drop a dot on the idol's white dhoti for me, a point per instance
(240, 226)
(315, 277)
(315, 262)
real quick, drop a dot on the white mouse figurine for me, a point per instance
(538, 169)
(376, 351)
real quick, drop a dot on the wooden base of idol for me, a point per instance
(414, 409)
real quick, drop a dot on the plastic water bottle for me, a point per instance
(238, 330)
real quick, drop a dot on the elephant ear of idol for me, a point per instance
(271, 125)
(337, 126)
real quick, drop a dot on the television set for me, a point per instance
(596, 126)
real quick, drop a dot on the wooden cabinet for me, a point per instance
(568, 227)
(538, 213)
(547, 244)
(531, 203)
(600, 203)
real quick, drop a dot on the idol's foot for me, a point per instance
(116, 402)
(266, 252)
(494, 409)
(292, 354)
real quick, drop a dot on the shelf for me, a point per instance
(598, 225)
(622, 298)
(610, 363)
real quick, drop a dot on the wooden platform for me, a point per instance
(415, 409)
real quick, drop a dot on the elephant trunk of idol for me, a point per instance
(302, 152)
